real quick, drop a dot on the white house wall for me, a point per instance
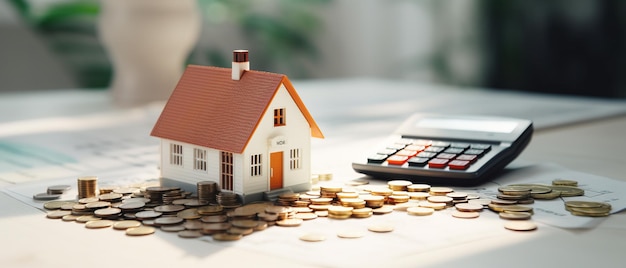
(298, 136)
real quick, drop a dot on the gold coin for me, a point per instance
(168, 221)
(520, 225)
(515, 215)
(226, 237)
(535, 188)
(517, 208)
(439, 199)
(88, 200)
(70, 217)
(57, 214)
(418, 188)
(192, 225)
(435, 206)
(344, 195)
(53, 205)
(561, 182)
(289, 222)
(420, 211)
(97, 224)
(440, 190)
(321, 213)
(380, 228)
(312, 237)
(216, 226)
(214, 219)
(210, 210)
(173, 228)
(189, 214)
(469, 207)
(278, 209)
(139, 231)
(515, 190)
(480, 201)
(244, 223)
(104, 212)
(383, 210)
(567, 191)
(98, 204)
(350, 234)
(123, 225)
(457, 195)
(405, 206)
(86, 218)
(305, 216)
(240, 230)
(465, 215)
(586, 204)
(418, 195)
(190, 234)
(546, 196)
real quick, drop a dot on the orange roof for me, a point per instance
(208, 108)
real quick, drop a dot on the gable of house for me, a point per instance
(207, 108)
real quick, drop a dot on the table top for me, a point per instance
(591, 144)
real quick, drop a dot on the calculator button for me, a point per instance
(418, 161)
(405, 141)
(437, 163)
(452, 150)
(460, 145)
(418, 148)
(396, 146)
(474, 152)
(434, 149)
(426, 154)
(423, 142)
(459, 164)
(467, 157)
(387, 151)
(406, 152)
(397, 160)
(446, 156)
(484, 147)
(441, 144)
(377, 159)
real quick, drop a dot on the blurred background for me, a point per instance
(575, 47)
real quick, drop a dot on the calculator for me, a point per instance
(448, 149)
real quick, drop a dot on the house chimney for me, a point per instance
(240, 63)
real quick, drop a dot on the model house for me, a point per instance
(247, 130)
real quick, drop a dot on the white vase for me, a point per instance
(148, 42)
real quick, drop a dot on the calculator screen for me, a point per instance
(468, 125)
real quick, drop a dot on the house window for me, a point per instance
(199, 157)
(176, 154)
(255, 165)
(226, 170)
(295, 159)
(279, 117)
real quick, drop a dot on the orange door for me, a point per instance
(276, 170)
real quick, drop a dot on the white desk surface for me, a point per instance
(592, 146)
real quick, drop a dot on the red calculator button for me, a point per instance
(397, 160)
(459, 164)
(437, 163)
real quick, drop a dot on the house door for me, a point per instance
(276, 170)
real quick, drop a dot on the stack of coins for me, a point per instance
(374, 201)
(353, 202)
(398, 185)
(339, 212)
(87, 186)
(156, 194)
(228, 200)
(362, 212)
(330, 191)
(287, 199)
(207, 191)
(588, 208)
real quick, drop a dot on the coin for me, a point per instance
(86, 218)
(480, 201)
(312, 237)
(139, 231)
(189, 214)
(240, 230)
(305, 216)
(98, 204)
(418, 195)
(561, 182)
(420, 211)
(380, 228)
(405, 206)
(435, 206)
(190, 234)
(46, 196)
(418, 188)
(88, 200)
(226, 237)
(173, 228)
(97, 224)
(535, 188)
(350, 234)
(193, 225)
(168, 220)
(440, 190)
(57, 214)
(567, 191)
(106, 212)
(515, 190)
(58, 189)
(546, 196)
(244, 223)
(515, 215)
(53, 205)
(70, 217)
(123, 225)
(439, 199)
(469, 207)
(457, 195)
(169, 208)
(147, 214)
(383, 210)
(520, 225)
(465, 215)
(289, 222)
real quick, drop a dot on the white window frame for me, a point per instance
(199, 159)
(295, 159)
(256, 165)
(176, 154)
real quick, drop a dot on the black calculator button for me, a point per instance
(418, 161)
(467, 157)
(474, 152)
(484, 147)
(460, 145)
(453, 150)
(459, 164)
(437, 163)
(426, 154)
(434, 149)
(446, 156)
(377, 159)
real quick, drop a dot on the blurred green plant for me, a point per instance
(69, 29)
(280, 36)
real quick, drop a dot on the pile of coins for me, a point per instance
(228, 199)
(588, 208)
(53, 192)
(87, 186)
(207, 191)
